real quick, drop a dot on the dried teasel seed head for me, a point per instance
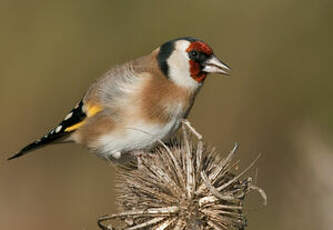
(184, 185)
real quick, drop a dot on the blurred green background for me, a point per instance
(278, 101)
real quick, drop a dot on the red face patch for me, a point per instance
(196, 73)
(201, 47)
(195, 68)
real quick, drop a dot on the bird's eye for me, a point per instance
(194, 53)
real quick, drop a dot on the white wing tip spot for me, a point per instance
(68, 116)
(58, 129)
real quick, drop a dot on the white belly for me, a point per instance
(138, 136)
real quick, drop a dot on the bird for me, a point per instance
(135, 105)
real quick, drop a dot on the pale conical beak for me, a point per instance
(214, 65)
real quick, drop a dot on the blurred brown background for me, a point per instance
(278, 101)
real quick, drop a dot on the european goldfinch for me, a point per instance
(135, 105)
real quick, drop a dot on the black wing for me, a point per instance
(66, 127)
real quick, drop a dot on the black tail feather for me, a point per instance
(15, 156)
(19, 154)
(55, 135)
(28, 148)
(52, 136)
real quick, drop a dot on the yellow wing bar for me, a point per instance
(91, 110)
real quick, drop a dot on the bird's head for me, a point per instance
(188, 61)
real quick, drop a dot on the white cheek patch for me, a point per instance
(179, 66)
